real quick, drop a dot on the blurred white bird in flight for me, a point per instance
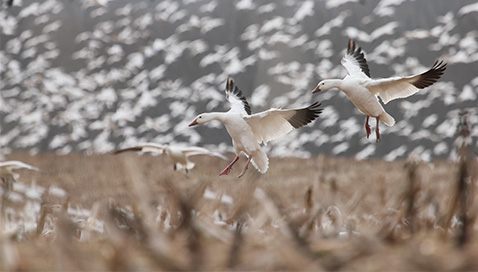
(363, 90)
(8, 173)
(177, 153)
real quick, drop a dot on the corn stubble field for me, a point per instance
(323, 213)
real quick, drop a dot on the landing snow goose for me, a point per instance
(363, 90)
(8, 174)
(249, 130)
(177, 153)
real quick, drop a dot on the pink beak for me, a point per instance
(317, 89)
(193, 123)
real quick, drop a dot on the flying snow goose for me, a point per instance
(8, 174)
(248, 130)
(363, 90)
(177, 153)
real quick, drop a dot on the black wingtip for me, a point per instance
(305, 115)
(351, 46)
(315, 108)
(232, 88)
(229, 84)
(357, 54)
(127, 149)
(431, 76)
(439, 65)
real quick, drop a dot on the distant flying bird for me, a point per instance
(8, 174)
(248, 130)
(363, 91)
(177, 153)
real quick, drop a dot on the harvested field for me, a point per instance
(130, 212)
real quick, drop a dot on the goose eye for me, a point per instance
(323, 83)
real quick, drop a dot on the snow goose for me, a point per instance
(363, 90)
(249, 130)
(177, 153)
(8, 174)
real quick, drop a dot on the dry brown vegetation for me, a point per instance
(323, 213)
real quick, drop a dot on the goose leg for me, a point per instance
(245, 166)
(367, 127)
(174, 167)
(377, 132)
(229, 167)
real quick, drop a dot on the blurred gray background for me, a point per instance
(93, 75)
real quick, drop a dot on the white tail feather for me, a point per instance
(260, 161)
(387, 119)
(189, 165)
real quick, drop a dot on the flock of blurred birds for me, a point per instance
(97, 75)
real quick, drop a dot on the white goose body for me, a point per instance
(248, 130)
(363, 99)
(363, 91)
(244, 140)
